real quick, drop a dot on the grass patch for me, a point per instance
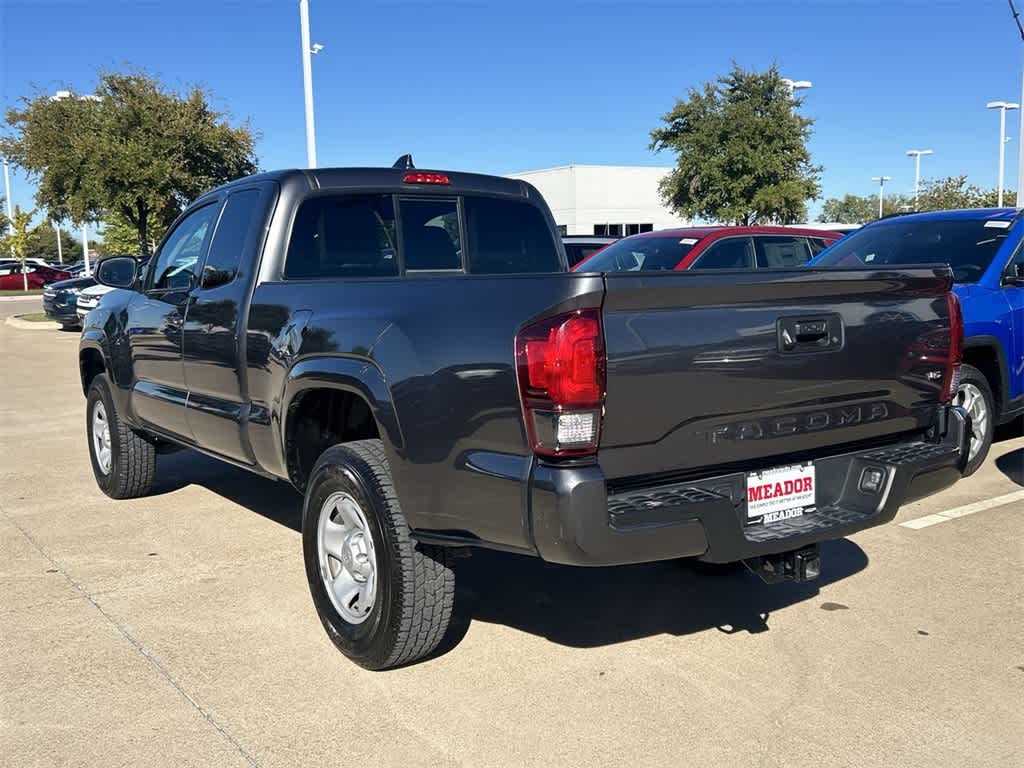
(35, 317)
(30, 292)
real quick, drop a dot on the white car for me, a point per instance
(89, 298)
(7, 266)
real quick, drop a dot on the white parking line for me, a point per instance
(968, 509)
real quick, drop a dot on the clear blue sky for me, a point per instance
(514, 85)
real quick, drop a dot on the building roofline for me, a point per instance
(591, 165)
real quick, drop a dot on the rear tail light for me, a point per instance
(560, 363)
(951, 377)
(418, 177)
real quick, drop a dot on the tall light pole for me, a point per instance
(85, 249)
(1002, 106)
(916, 154)
(60, 250)
(307, 80)
(61, 96)
(1020, 135)
(796, 85)
(881, 190)
(7, 194)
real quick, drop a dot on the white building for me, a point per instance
(615, 200)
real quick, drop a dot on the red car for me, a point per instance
(37, 277)
(715, 247)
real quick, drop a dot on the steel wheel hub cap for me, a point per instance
(969, 397)
(348, 563)
(101, 437)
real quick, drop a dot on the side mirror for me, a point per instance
(117, 271)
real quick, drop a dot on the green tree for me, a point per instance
(134, 149)
(741, 151)
(948, 193)
(3, 219)
(857, 209)
(16, 239)
(121, 236)
(42, 244)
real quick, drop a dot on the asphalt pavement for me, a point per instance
(176, 630)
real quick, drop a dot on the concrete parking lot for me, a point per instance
(177, 630)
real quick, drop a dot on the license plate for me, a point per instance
(780, 493)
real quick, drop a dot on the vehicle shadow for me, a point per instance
(590, 607)
(1012, 465)
(273, 499)
(577, 607)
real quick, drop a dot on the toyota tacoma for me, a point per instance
(409, 350)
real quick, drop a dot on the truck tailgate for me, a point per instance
(707, 371)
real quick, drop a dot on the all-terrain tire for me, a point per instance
(415, 587)
(131, 465)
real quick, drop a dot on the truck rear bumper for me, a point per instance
(576, 521)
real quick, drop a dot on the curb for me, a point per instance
(43, 325)
(36, 296)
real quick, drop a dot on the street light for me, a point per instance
(916, 154)
(61, 96)
(307, 80)
(796, 85)
(60, 249)
(7, 194)
(1002, 106)
(881, 190)
(1020, 136)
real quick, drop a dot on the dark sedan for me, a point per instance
(60, 300)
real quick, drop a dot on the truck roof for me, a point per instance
(387, 178)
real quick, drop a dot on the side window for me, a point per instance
(343, 236)
(509, 237)
(781, 252)
(179, 256)
(430, 235)
(1016, 266)
(818, 244)
(728, 253)
(229, 238)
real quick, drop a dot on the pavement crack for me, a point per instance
(137, 645)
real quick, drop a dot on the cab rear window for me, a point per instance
(357, 236)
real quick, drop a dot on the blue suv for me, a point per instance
(985, 251)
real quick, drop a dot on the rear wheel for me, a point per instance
(974, 395)
(123, 461)
(384, 600)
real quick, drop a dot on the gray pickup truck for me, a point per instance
(408, 349)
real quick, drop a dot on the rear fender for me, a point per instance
(355, 375)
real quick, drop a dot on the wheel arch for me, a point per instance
(332, 392)
(987, 355)
(92, 361)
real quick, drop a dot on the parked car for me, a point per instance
(711, 248)
(409, 350)
(985, 249)
(89, 299)
(580, 247)
(13, 266)
(60, 300)
(37, 276)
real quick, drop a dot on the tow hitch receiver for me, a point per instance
(796, 565)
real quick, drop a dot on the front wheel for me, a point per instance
(384, 600)
(123, 461)
(974, 395)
